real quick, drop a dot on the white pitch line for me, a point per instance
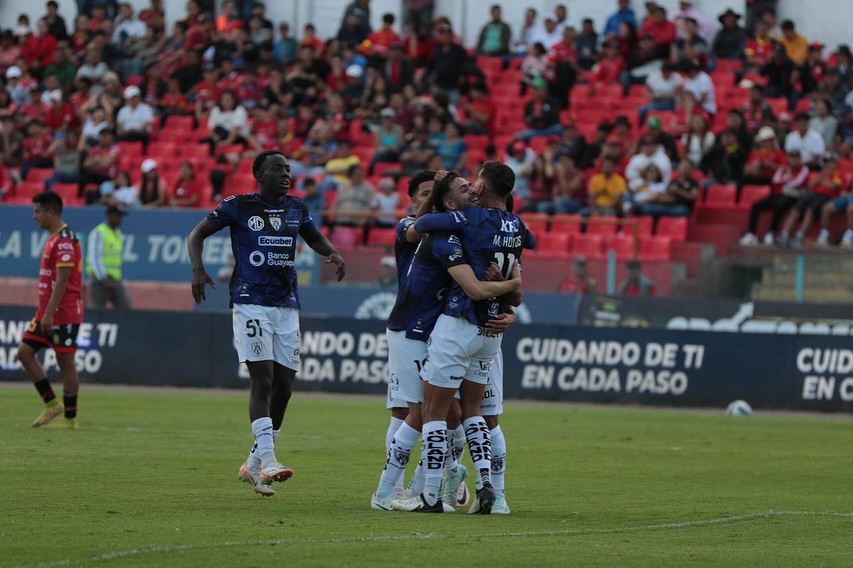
(432, 536)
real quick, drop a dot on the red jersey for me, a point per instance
(36, 147)
(62, 250)
(755, 116)
(561, 53)
(759, 50)
(608, 70)
(382, 40)
(775, 156)
(231, 82)
(487, 107)
(32, 111)
(79, 41)
(175, 102)
(185, 189)
(265, 132)
(99, 151)
(831, 187)
(663, 33)
(206, 93)
(60, 118)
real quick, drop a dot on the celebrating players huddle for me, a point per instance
(459, 276)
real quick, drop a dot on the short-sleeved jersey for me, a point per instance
(485, 236)
(263, 241)
(404, 251)
(421, 297)
(62, 250)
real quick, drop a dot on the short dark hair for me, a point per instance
(800, 116)
(510, 203)
(352, 169)
(441, 189)
(49, 200)
(498, 178)
(52, 3)
(388, 18)
(416, 180)
(261, 158)
(787, 25)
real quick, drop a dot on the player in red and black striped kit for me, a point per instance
(59, 314)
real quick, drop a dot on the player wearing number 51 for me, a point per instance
(264, 229)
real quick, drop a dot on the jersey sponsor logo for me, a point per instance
(256, 223)
(509, 225)
(455, 255)
(257, 258)
(65, 258)
(276, 223)
(454, 240)
(275, 241)
(65, 246)
(229, 198)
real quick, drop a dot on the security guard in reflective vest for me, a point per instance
(103, 261)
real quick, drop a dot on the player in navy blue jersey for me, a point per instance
(420, 190)
(462, 347)
(264, 229)
(419, 304)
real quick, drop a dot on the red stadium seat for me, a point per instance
(673, 227)
(656, 249)
(597, 228)
(382, 169)
(590, 246)
(130, 148)
(566, 224)
(28, 189)
(39, 174)
(346, 238)
(174, 135)
(749, 194)
(476, 141)
(196, 152)
(721, 195)
(163, 149)
(68, 192)
(185, 123)
(378, 236)
(644, 226)
(623, 245)
(553, 243)
(537, 223)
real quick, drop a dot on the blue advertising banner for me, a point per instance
(549, 362)
(155, 245)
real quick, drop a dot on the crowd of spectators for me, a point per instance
(132, 113)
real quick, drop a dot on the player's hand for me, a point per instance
(493, 273)
(200, 280)
(501, 323)
(440, 175)
(46, 323)
(339, 260)
(516, 275)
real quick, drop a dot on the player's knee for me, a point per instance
(491, 422)
(26, 353)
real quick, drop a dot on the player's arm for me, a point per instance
(63, 273)
(195, 247)
(450, 221)
(478, 290)
(321, 245)
(493, 274)
(412, 234)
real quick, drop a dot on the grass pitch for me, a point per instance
(150, 480)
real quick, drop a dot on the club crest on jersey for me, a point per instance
(275, 221)
(493, 310)
(257, 347)
(256, 223)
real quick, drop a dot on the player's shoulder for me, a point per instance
(67, 234)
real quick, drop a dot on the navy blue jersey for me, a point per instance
(263, 241)
(487, 236)
(404, 251)
(421, 297)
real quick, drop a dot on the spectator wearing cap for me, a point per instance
(823, 122)
(687, 11)
(60, 116)
(690, 46)
(624, 15)
(99, 165)
(636, 284)
(18, 92)
(152, 188)
(651, 153)
(662, 31)
(447, 66)
(730, 40)
(605, 190)
(796, 45)
(807, 141)
(495, 36)
(788, 186)
(663, 138)
(548, 33)
(586, 45)
(134, 119)
(827, 185)
(386, 202)
(662, 87)
(542, 114)
(103, 261)
(541, 177)
(388, 272)
(579, 281)
(764, 159)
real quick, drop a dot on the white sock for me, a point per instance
(262, 429)
(799, 234)
(457, 443)
(498, 460)
(433, 452)
(416, 484)
(848, 234)
(398, 453)
(254, 460)
(479, 446)
(784, 234)
(824, 234)
(393, 426)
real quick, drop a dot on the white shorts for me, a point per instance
(263, 333)
(406, 357)
(493, 398)
(460, 350)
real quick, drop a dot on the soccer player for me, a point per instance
(419, 190)
(462, 347)
(59, 314)
(418, 306)
(264, 227)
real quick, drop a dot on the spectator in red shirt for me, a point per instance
(756, 111)
(562, 70)
(662, 32)
(187, 189)
(636, 284)
(60, 116)
(823, 188)
(788, 185)
(608, 69)
(479, 111)
(384, 38)
(38, 52)
(579, 282)
(765, 158)
(35, 148)
(758, 49)
(173, 102)
(399, 69)
(99, 165)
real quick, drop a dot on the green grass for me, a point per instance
(150, 480)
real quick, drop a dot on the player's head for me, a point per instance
(47, 209)
(272, 171)
(420, 186)
(453, 192)
(497, 179)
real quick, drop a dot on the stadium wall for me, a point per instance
(830, 24)
(546, 362)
